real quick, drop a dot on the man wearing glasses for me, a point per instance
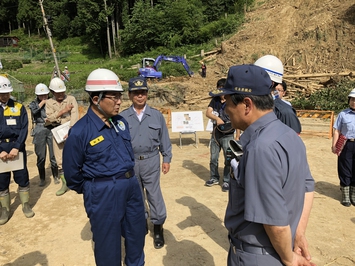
(98, 162)
(149, 138)
(274, 67)
(281, 89)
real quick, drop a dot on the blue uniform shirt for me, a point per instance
(93, 150)
(287, 115)
(345, 123)
(273, 176)
(13, 125)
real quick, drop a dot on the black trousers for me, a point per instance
(346, 165)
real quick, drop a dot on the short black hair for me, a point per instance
(284, 85)
(262, 102)
(95, 93)
(221, 82)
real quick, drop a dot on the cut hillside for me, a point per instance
(309, 36)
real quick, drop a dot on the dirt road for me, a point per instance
(59, 234)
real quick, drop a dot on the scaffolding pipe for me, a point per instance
(49, 34)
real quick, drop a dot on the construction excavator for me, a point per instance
(150, 66)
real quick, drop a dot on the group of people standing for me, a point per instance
(114, 159)
(46, 114)
(270, 185)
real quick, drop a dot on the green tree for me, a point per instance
(8, 12)
(29, 14)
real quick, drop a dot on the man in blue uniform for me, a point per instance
(13, 134)
(285, 112)
(343, 144)
(42, 134)
(98, 162)
(149, 138)
(265, 216)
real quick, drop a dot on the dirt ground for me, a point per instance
(308, 36)
(59, 234)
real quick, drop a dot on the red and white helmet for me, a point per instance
(273, 66)
(57, 85)
(103, 80)
(5, 85)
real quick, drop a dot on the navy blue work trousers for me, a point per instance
(346, 165)
(115, 209)
(20, 176)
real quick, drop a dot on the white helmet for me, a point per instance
(352, 94)
(41, 89)
(273, 66)
(5, 85)
(103, 80)
(57, 85)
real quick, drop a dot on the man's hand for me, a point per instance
(3, 156)
(65, 110)
(219, 121)
(165, 168)
(69, 107)
(334, 149)
(298, 260)
(12, 155)
(43, 102)
(301, 247)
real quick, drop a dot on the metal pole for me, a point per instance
(49, 33)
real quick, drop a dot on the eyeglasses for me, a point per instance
(114, 98)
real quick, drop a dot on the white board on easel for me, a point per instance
(189, 121)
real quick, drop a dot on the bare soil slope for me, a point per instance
(309, 36)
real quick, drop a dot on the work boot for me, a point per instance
(5, 208)
(64, 187)
(42, 177)
(158, 236)
(55, 174)
(345, 199)
(352, 195)
(25, 197)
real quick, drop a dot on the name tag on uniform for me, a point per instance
(11, 122)
(96, 141)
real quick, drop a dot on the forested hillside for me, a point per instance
(131, 26)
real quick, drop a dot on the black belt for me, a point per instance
(146, 156)
(8, 140)
(240, 245)
(352, 140)
(50, 127)
(126, 175)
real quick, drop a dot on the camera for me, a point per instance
(234, 151)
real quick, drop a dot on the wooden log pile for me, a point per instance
(306, 84)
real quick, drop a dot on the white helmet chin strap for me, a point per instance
(102, 111)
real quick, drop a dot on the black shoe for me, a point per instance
(158, 236)
(42, 183)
